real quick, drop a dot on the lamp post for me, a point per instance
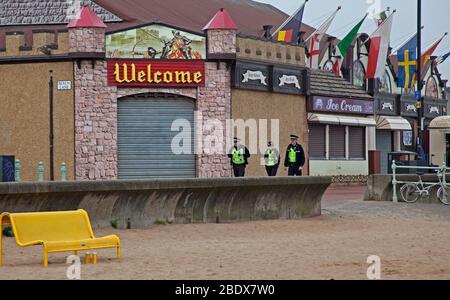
(419, 98)
(51, 136)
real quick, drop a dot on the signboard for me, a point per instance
(64, 85)
(341, 105)
(154, 73)
(386, 104)
(270, 78)
(155, 42)
(408, 106)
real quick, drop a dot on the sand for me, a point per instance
(413, 242)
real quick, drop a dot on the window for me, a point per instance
(359, 74)
(432, 89)
(385, 83)
(337, 142)
(357, 142)
(317, 139)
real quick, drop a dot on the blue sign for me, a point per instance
(418, 95)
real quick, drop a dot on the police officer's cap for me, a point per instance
(236, 139)
(294, 137)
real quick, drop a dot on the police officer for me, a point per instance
(239, 156)
(295, 157)
(272, 159)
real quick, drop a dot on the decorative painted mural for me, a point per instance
(155, 42)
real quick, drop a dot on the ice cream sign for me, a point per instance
(342, 105)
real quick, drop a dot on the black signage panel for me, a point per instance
(270, 78)
(291, 81)
(434, 108)
(252, 76)
(408, 106)
(386, 104)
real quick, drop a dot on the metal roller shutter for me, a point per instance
(317, 147)
(357, 142)
(145, 138)
(337, 142)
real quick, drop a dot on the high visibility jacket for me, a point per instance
(238, 157)
(271, 159)
(292, 156)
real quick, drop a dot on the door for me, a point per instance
(145, 138)
(384, 145)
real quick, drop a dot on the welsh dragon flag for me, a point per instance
(379, 46)
(342, 47)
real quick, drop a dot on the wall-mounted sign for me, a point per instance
(270, 78)
(408, 106)
(155, 42)
(64, 85)
(386, 104)
(434, 108)
(254, 75)
(341, 105)
(145, 73)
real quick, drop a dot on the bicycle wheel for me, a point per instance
(410, 192)
(440, 195)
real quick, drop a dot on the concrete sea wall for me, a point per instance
(139, 204)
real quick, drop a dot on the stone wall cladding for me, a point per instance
(221, 42)
(95, 123)
(89, 40)
(214, 101)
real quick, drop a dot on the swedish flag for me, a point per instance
(407, 63)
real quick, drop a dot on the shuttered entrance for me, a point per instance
(145, 137)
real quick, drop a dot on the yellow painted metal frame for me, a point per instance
(111, 241)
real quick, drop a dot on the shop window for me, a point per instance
(357, 142)
(317, 141)
(337, 142)
(432, 89)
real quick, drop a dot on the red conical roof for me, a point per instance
(222, 20)
(87, 19)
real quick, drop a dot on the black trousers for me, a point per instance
(239, 170)
(272, 171)
(295, 171)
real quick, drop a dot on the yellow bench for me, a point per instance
(56, 232)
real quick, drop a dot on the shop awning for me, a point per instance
(440, 123)
(393, 123)
(341, 120)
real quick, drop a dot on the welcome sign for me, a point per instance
(156, 73)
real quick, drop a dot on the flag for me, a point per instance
(426, 57)
(315, 38)
(289, 30)
(379, 46)
(381, 17)
(407, 63)
(342, 47)
(442, 59)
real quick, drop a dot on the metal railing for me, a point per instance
(395, 182)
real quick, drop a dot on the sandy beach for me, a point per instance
(413, 242)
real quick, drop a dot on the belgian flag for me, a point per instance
(288, 32)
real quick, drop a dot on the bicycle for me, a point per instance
(411, 192)
(440, 194)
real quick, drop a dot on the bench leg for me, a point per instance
(118, 251)
(45, 257)
(75, 253)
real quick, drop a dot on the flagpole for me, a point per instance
(419, 80)
(290, 18)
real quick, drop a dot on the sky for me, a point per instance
(435, 18)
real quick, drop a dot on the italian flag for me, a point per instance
(379, 46)
(342, 47)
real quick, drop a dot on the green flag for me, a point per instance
(349, 38)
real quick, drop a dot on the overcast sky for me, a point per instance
(436, 19)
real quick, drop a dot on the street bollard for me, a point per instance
(394, 183)
(63, 172)
(41, 171)
(17, 171)
(444, 183)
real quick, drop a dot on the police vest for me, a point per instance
(238, 157)
(271, 159)
(292, 156)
